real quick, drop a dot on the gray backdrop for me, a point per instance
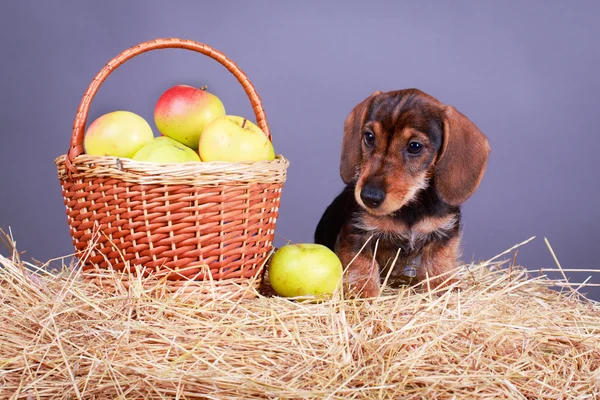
(525, 72)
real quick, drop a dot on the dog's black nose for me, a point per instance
(372, 196)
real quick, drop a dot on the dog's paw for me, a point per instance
(363, 289)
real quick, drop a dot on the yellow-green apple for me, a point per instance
(233, 138)
(299, 270)
(183, 111)
(118, 134)
(166, 150)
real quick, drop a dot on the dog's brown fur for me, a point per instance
(419, 215)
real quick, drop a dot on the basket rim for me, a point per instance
(193, 173)
(87, 158)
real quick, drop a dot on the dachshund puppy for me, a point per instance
(408, 162)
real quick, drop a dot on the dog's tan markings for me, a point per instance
(362, 276)
(429, 225)
(391, 228)
(417, 184)
(385, 224)
(439, 263)
(410, 133)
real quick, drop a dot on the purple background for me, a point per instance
(525, 72)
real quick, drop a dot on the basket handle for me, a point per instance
(76, 146)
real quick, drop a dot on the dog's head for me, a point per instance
(397, 143)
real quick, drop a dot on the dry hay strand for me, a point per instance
(507, 334)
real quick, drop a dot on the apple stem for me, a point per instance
(204, 87)
(244, 122)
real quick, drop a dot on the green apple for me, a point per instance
(166, 150)
(183, 111)
(118, 134)
(298, 270)
(233, 138)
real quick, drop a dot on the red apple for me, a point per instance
(182, 112)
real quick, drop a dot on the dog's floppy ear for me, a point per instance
(351, 145)
(463, 159)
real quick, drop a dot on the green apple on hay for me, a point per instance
(183, 111)
(233, 138)
(118, 134)
(163, 149)
(298, 270)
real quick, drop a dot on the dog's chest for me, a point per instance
(410, 238)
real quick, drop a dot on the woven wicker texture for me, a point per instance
(207, 220)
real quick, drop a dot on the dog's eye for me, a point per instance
(369, 138)
(415, 147)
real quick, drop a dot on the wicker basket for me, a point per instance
(184, 223)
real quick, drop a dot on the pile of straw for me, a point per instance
(505, 335)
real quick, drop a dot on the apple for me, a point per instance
(298, 270)
(183, 111)
(233, 138)
(166, 150)
(118, 134)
